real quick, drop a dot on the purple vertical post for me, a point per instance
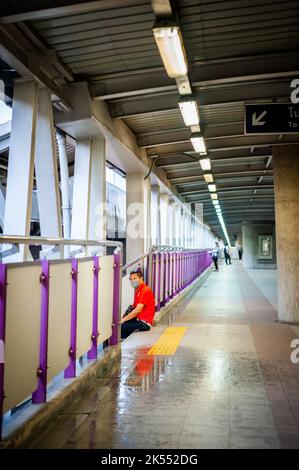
(163, 282)
(70, 371)
(147, 270)
(114, 340)
(3, 275)
(176, 273)
(40, 394)
(93, 352)
(158, 260)
(168, 276)
(153, 271)
(171, 266)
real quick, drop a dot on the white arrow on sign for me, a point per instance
(257, 121)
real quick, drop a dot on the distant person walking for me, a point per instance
(227, 254)
(240, 253)
(215, 255)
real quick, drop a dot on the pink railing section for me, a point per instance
(173, 271)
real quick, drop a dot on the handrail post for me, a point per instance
(93, 352)
(115, 337)
(158, 260)
(70, 371)
(40, 394)
(3, 284)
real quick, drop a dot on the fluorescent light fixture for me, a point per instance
(212, 188)
(205, 164)
(208, 178)
(170, 44)
(214, 196)
(198, 142)
(189, 110)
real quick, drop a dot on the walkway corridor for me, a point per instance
(230, 383)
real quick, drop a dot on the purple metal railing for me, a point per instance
(40, 393)
(180, 269)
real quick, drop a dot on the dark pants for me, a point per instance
(228, 260)
(215, 259)
(240, 255)
(130, 326)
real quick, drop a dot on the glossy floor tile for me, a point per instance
(230, 383)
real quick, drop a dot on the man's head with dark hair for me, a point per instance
(136, 278)
(138, 272)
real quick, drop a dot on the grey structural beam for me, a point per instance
(12, 12)
(243, 69)
(21, 53)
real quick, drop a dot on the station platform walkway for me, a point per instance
(226, 381)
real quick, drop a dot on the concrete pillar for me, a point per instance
(251, 233)
(164, 210)
(155, 215)
(65, 188)
(46, 172)
(286, 190)
(249, 243)
(136, 213)
(21, 164)
(81, 190)
(176, 224)
(148, 214)
(89, 191)
(97, 223)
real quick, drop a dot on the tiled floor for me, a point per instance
(231, 383)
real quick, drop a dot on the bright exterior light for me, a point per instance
(198, 142)
(216, 203)
(205, 164)
(189, 110)
(214, 196)
(208, 178)
(212, 188)
(171, 48)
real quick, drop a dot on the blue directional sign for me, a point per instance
(276, 118)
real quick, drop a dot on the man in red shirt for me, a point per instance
(142, 316)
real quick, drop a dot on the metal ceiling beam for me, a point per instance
(250, 158)
(17, 50)
(12, 12)
(243, 187)
(218, 142)
(236, 174)
(269, 66)
(235, 93)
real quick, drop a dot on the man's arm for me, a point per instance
(133, 314)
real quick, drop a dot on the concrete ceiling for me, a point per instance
(238, 51)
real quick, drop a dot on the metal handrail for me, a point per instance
(134, 261)
(23, 240)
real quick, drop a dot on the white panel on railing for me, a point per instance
(127, 297)
(60, 294)
(84, 306)
(22, 333)
(106, 277)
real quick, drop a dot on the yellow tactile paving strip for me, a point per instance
(168, 342)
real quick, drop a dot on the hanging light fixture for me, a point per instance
(171, 48)
(212, 188)
(189, 110)
(198, 142)
(208, 177)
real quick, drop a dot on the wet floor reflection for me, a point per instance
(147, 370)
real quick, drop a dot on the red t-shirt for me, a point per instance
(144, 295)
